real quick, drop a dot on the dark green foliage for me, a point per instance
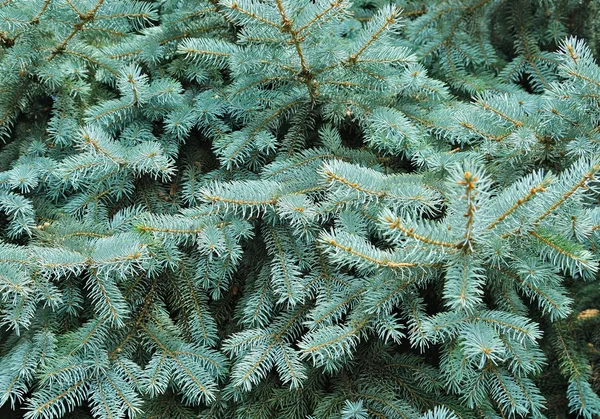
(299, 209)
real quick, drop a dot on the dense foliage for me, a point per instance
(299, 209)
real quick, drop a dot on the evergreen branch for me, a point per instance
(191, 231)
(346, 301)
(532, 192)
(277, 64)
(121, 15)
(330, 175)
(264, 123)
(587, 263)
(326, 177)
(348, 84)
(264, 80)
(213, 198)
(485, 106)
(349, 333)
(469, 180)
(205, 391)
(87, 17)
(91, 333)
(283, 330)
(275, 340)
(199, 356)
(197, 13)
(296, 376)
(85, 234)
(91, 60)
(332, 5)
(301, 162)
(583, 77)
(146, 306)
(260, 305)
(576, 373)
(236, 7)
(258, 362)
(191, 50)
(384, 402)
(437, 16)
(100, 391)
(121, 107)
(513, 403)
(389, 20)
(470, 126)
(586, 177)
(70, 3)
(391, 294)
(287, 276)
(396, 223)
(379, 262)
(192, 291)
(529, 285)
(529, 332)
(7, 2)
(39, 410)
(41, 12)
(15, 99)
(287, 26)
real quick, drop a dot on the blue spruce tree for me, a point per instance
(300, 209)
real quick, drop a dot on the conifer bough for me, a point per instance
(299, 209)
